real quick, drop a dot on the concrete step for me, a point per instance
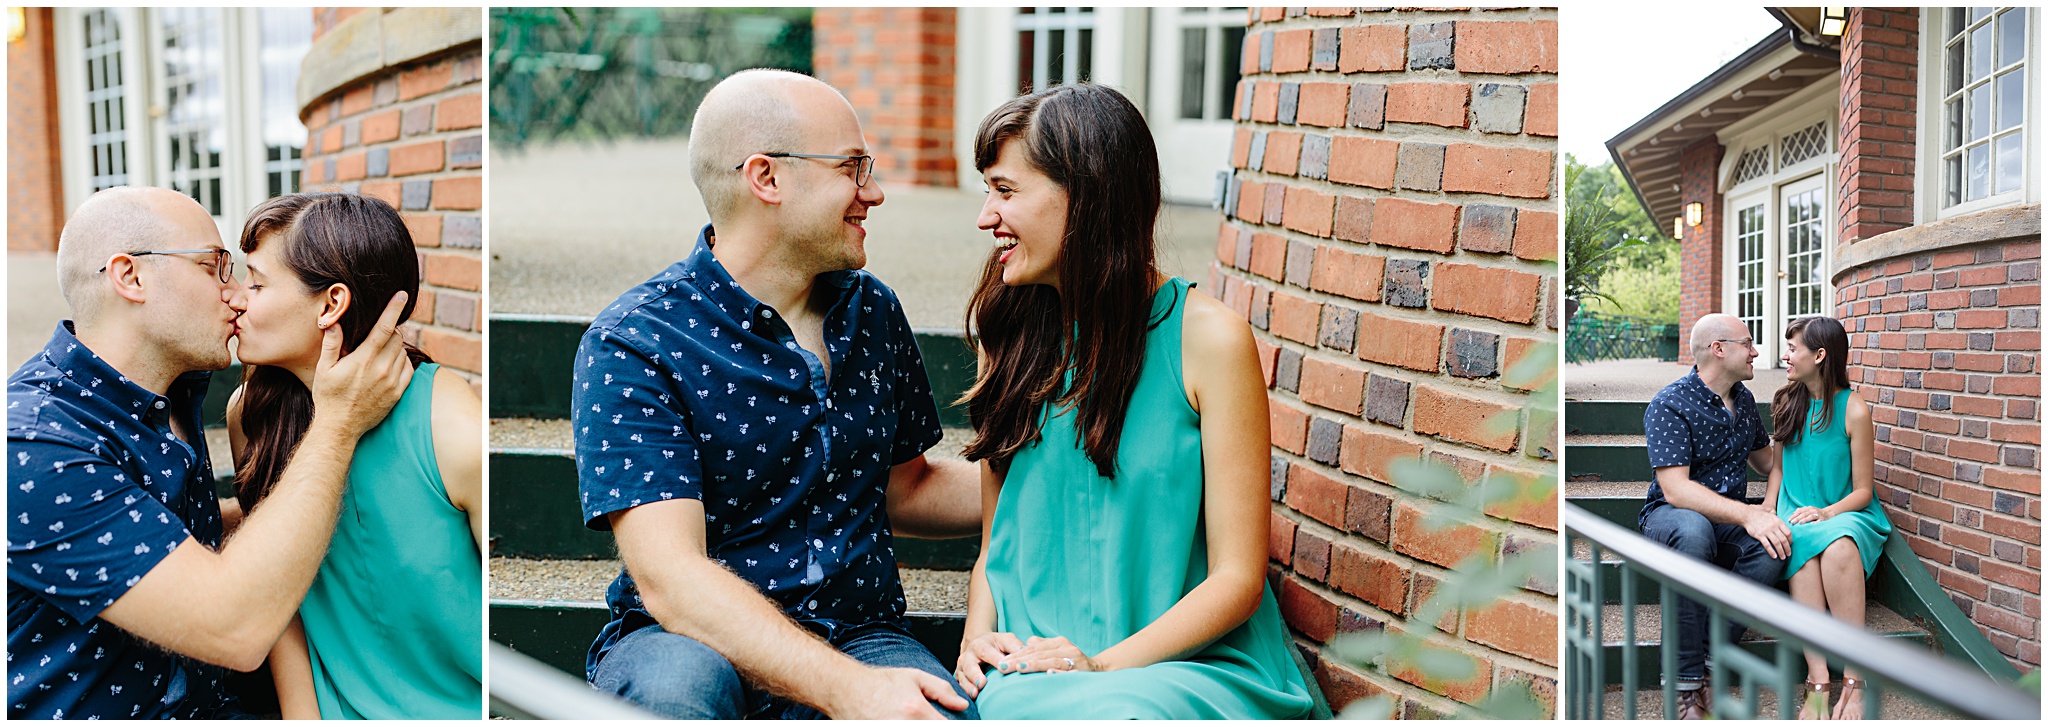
(1878, 619)
(552, 609)
(1612, 457)
(1892, 705)
(533, 496)
(532, 359)
(1621, 417)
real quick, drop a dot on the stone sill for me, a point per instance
(2005, 224)
(370, 42)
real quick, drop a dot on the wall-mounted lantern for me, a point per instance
(1678, 228)
(1693, 211)
(17, 24)
(1833, 21)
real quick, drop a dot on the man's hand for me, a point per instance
(896, 694)
(1769, 530)
(356, 391)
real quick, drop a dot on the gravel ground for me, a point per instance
(585, 580)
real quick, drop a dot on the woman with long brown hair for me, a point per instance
(1823, 486)
(1120, 419)
(391, 627)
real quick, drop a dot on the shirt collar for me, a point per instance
(703, 267)
(74, 361)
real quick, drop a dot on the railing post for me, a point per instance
(1667, 651)
(1787, 706)
(1628, 649)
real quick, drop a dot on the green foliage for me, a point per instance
(604, 73)
(1645, 291)
(1604, 228)
(1480, 581)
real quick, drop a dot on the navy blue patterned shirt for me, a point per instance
(688, 387)
(1687, 425)
(101, 491)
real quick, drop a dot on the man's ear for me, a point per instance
(126, 278)
(333, 303)
(758, 173)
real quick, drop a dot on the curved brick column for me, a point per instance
(392, 100)
(1392, 236)
(1944, 325)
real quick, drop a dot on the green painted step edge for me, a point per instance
(1621, 417)
(534, 515)
(1903, 584)
(1615, 463)
(559, 633)
(1650, 668)
(532, 356)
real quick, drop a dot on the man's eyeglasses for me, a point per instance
(863, 171)
(1746, 342)
(223, 261)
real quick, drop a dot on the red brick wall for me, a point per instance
(1392, 236)
(1700, 248)
(1880, 56)
(1946, 347)
(412, 135)
(35, 181)
(896, 66)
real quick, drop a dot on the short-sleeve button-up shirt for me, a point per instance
(688, 387)
(100, 492)
(1687, 425)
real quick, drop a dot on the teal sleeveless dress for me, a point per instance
(1073, 554)
(394, 620)
(1815, 473)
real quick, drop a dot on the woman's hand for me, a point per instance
(1805, 515)
(994, 647)
(1051, 656)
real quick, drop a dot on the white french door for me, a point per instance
(1196, 57)
(1778, 261)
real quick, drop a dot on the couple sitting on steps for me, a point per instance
(1820, 525)
(751, 425)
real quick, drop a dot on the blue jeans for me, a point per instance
(679, 677)
(1727, 546)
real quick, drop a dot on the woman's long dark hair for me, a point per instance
(327, 238)
(1094, 144)
(1789, 406)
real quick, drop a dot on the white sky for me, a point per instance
(1621, 62)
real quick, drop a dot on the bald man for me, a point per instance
(751, 426)
(1704, 434)
(122, 601)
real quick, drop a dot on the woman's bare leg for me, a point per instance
(1842, 581)
(1806, 589)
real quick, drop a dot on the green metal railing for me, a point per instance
(602, 73)
(1885, 664)
(1600, 337)
(522, 688)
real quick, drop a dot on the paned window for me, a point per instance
(286, 34)
(1753, 164)
(195, 129)
(1983, 103)
(1054, 46)
(1749, 269)
(1211, 54)
(106, 99)
(1803, 144)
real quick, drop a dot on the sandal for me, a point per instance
(1816, 706)
(1852, 697)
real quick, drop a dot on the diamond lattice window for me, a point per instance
(1803, 144)
(1753, 164)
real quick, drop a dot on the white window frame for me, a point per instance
(243, 174)
(1927, 182)
(1813, 104)
(1040, 23)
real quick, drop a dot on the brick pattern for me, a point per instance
(1880, 70)
(412, 135)
(1700, 248)
(896, 66)
(1946, 347)
(35, 179)
(1391, 233)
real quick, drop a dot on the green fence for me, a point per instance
(1601, 337)
(603, 73)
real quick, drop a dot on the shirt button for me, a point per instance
(159, 405)
(767, 313)
(819, 544)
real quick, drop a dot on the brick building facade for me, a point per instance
(34, 216)
(896, 66)
(392, 101)
(1391, 234)
(1929, 226)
